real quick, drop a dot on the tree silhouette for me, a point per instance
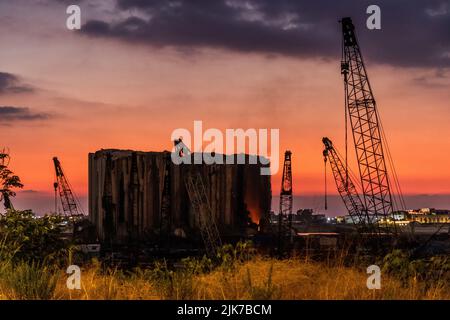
(8, 181)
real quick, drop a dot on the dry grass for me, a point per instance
(113, 285)
(302, 280)
(256, 279)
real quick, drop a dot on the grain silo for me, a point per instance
(141, 196)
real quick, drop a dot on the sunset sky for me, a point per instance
(137, 70)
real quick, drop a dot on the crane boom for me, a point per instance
(345, 186)
(69, 205)
(365, 123)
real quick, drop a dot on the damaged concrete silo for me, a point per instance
(141, 196)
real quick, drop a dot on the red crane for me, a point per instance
(286, 189)
(285, 200)
(70, 205)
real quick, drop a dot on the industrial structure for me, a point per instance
(377, 203)
(200, 204)
(144, 198)
(285, 214)
(286, 188)
(139, 196)
(345, 186)
(69, 204)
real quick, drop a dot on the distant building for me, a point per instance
(400, 215)
(423, 215)
(340, 219)
(307, 216)
(429, 215)
(355, 219)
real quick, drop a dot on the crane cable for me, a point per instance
(344, 64)
(326, 196)
(402, 204)
(346, 134)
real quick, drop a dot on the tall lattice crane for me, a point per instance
(69, 204)
(366, 128)
(345, 186)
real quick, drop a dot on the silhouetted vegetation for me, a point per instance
(26, 237)
(8, 181)
(240, 273)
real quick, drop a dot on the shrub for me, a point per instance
(229, 255)
(26, 237)
(430, 271)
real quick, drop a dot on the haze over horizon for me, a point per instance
(45, 203)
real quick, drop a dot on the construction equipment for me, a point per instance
(366, 129)
(286, 195)
(345, 186)
(70, 206)
(200, 203)
(196, 190)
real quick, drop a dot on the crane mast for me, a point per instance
(367, 135)
(345, 186)
(69, 205)
(286, 189)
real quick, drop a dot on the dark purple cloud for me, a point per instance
(10, 114)
(10, 83)
(414, 32)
